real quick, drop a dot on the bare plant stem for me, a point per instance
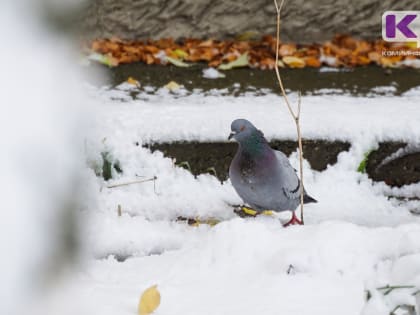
(296, 116)
(133, 182)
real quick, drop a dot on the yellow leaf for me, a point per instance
(242, 61)
(104, 59)
(133, 81)
(280, 64)
(149, 301)
(387, 62)
(267, 212)
(177, 62)
(180, 53)
(249, 211)
(294, 62)
(172, 86)
(411, 45)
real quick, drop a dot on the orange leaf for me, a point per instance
(374, 56)
(312, 62)
(149, 59)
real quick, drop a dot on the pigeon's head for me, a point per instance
(242, 129)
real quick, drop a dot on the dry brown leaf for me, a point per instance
(133, 81)
(363, 60)
(386, 62)
(149, 59)
(312, 62)
(206, 43)
(267, 63)
(374, 56)
(294, 62)
(287, 50)
(346, 50)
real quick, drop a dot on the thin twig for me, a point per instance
(296, 116)
(390, 288)
(133, 182)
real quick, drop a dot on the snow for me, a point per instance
(240, 266)
(413, 63)
(212, 73)
(329, 60)
(355, 239)
(327, 116)
(39, 136)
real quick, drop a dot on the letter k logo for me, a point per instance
(402, 26)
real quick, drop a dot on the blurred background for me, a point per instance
(304, 21)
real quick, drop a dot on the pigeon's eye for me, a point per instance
(242, 128)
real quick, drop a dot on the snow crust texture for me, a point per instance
(355, 239)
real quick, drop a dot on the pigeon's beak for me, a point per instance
(232, 134)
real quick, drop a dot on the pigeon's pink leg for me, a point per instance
(293, 221)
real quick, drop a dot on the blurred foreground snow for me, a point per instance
(40, 136)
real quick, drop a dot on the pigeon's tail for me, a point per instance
(308, 199)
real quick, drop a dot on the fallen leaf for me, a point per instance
(363, 47)
(267, 63)
(180, 53)
(206, 43)
(280, 64)
(312, 62)
(411, 45)
(294, 62)
(149, 301)
(172, 86)
(386, 62)
(215, 63)
(241, 61)
(374, 56)
(133, 81)
(287, 50)
(363, 60)
(342, 50)
(149, 59)
(151, 49)
(177, 62)
(104, 59)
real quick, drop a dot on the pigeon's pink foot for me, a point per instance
(293, 221)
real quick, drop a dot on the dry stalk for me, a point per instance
(296, 116)
(133, 182)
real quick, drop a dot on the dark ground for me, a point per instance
(357, 81)
(215, 158)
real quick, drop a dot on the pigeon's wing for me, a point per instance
(290, 183)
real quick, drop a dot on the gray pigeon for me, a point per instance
(261, 176)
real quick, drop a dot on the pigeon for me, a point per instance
(261, 176)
